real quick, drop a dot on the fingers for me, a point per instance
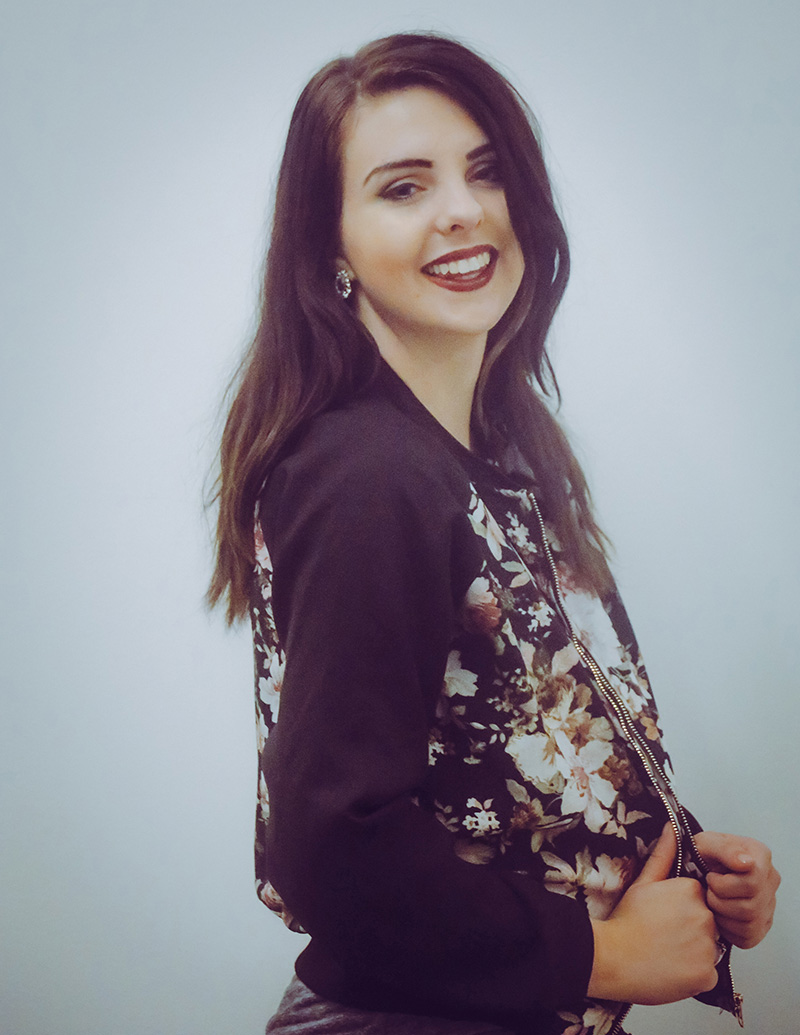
(731, 886)
(742, 934)
(743, 902)
(743, 909)
(731, 853)
(660, 943)
(659, 864)
(760, 881)
(755, 885)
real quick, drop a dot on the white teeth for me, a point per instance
(471, 265)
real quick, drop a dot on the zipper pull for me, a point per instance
(738, 1012)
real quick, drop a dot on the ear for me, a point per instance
(342, 264)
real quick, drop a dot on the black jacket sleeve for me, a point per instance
(371, 558)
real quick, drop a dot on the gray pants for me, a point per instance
(303, 1012)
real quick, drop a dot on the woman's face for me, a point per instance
(425, 225)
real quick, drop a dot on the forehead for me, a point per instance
(412, 123)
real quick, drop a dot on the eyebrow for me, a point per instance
(423, 163)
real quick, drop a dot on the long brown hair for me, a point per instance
(310, 351)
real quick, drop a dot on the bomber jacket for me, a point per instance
(446, 797)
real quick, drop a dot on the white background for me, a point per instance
(140, 140)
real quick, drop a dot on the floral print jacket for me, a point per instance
(445, 799)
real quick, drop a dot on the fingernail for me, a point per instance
(746, 860)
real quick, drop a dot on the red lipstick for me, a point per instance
(466, 269)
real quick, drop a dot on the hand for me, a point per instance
(659, 944)
(741, 886)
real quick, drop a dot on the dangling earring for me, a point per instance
(344, 285)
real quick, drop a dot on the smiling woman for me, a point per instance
(464, 797)
(427, 238)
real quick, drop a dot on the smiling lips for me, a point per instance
(465, 270)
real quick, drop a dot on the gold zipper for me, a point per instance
(618, 1020)
(652, 766)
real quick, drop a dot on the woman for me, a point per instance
(469, 804)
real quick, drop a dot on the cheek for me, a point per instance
(378, 246)
(519, 267)
(518, 256)
(511, 245)
(357, 234)
(515, 264)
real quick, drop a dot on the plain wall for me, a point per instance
(140, 142)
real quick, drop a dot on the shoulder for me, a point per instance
(371, 504)
(369, 453)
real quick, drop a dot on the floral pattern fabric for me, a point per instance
(527, 766)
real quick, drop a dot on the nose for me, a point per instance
(459, 208)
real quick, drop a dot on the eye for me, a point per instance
(401, 190)
(488, 171)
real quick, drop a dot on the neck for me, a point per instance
(443, 380)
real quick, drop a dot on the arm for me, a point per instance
(365, 601)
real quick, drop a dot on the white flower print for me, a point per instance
(597, 1020)
(262, 554)
(269, 687)
(535, 755)
(519, 536)
(529, 815)
(269, 896)
(435, 747)
(444, 813)
(262, 730)
(519, 572)
(585, 790)
(565, 659)
(479, 853)
(624, 818)
(577, 1027)
(569, 715)
(528, 652)
(629, 689)
(486, 526)
(263, 798)
(481, 608)
(602, 882)
(593, 627)
(272, 900)
(563, 878)
(494, 537)
(604, 886)
(541, 615)
(458, 680)
(483, 821)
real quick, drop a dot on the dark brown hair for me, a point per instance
(310, 351)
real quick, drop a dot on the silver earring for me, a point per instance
(344, 285)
